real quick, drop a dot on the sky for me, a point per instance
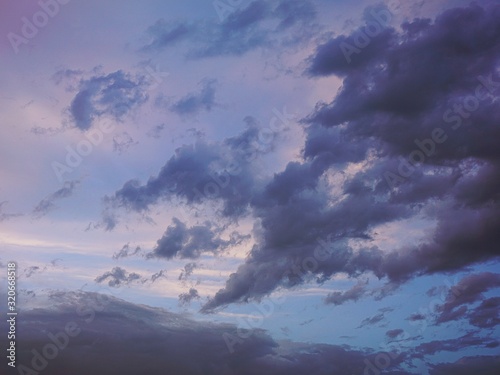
(251, 187)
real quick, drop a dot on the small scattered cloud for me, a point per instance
(187, 298)
(47, 204)
(117, 277)
(191, 104)
(126, 251)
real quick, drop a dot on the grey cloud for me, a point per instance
(117, 277)
(452, 345)
(118, 337)
(196, 102)
(158, 275)
(202, 172)
(188, 270)
(487, 314)
(183, 242)
(47, 204)
(113, 95)
(468, 290)
(6, 216)
(30, 271)
(260, 24)
(397, 92)
(122, 142)
(155, 132)
(484, 365)
(372, 320)
(186, 298)
(394, 333)
(416, 317)
(353, 294)
(126, 251)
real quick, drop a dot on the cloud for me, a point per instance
(126, 251)
(219, 171)
(394, 333)
(353, 294)
(117, 277)
(316, 217)
(188, 270)
(186, 298)
(487, 314)
(47, 204)
(260, 24)
(122, 142)
(183, 242)
(196, 102)
(113, 95)
(6, 216)
(416, 317)
(155, 132)
(485, 365)
(468, 290)
(30, 271)
(453, 345)
(372, 320)
(119, 337)
(158, 275)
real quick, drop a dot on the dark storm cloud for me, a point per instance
(117, 337)
(196, 102)
(183, 242)
(398, 91)
(484, 365)
(47, 204)
(113, 94)
(452, 345)
(487, 314)
(384, 110)
(467, 291)
(256, 25)
(117, 277)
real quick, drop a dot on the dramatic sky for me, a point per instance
(251, 187)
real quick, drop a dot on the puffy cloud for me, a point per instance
(316, 217)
